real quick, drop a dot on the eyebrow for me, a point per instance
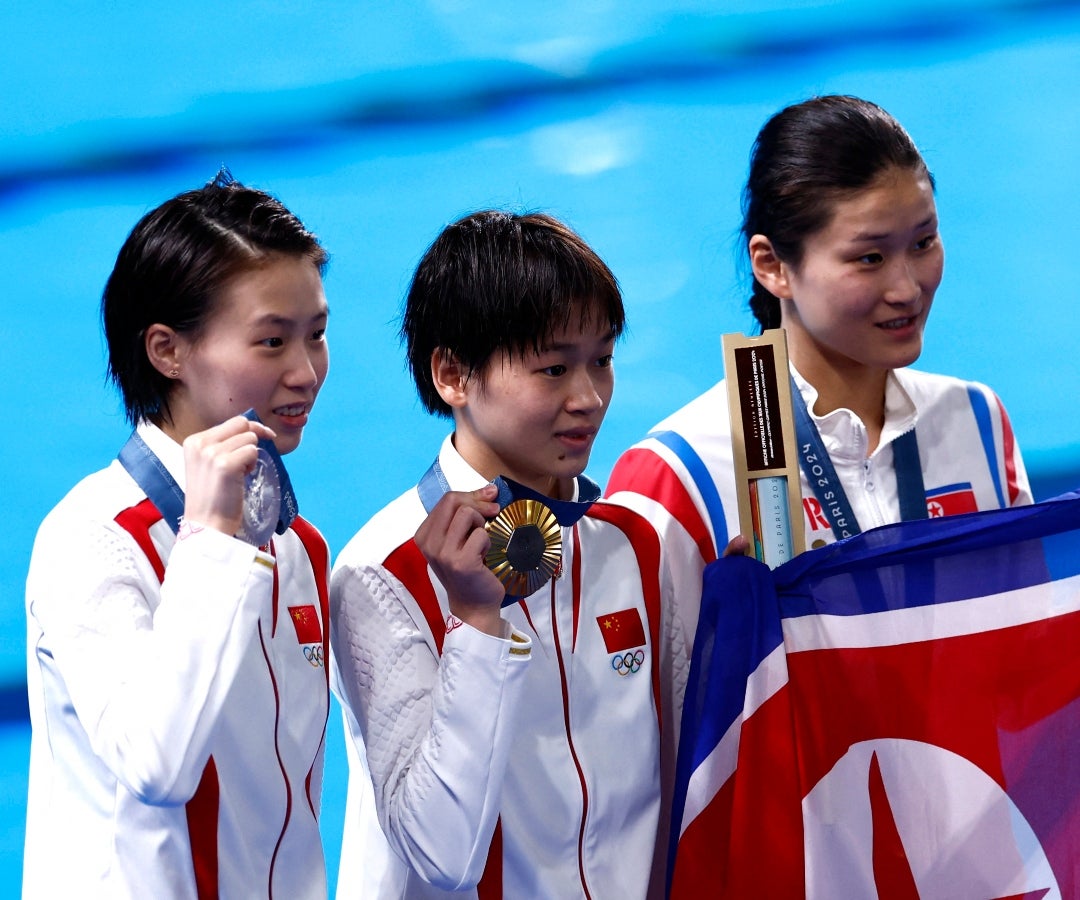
(273, 319)
(555, 348)
(863, 237)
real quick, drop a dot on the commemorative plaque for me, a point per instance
(763, 445)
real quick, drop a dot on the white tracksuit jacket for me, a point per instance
(549, 739)
(681, 476)
(178, 699)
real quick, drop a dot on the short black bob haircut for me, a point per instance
(496, 282)
(173, 267)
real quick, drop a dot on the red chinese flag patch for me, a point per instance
(305, 620)
(622, 630)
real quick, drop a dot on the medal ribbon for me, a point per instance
(825, 483)
(150, 474)
(434, 484)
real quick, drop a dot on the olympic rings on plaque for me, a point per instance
(313, 653)
(628, 663)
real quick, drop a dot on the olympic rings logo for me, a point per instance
(313, 653)
(628, 663)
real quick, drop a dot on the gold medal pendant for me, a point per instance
(526, 546)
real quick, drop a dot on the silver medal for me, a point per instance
(262, 501)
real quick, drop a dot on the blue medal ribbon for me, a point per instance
(821, 474)
(161, 488)
(151, 475)
(434, 484)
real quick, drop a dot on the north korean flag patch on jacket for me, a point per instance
(951, 500)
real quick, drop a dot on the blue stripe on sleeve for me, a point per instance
(981, 409)
(699, 472)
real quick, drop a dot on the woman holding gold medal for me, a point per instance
(504, 643)
(176, 604)
(841, 235)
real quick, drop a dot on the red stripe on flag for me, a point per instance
(748, 842)
(892, 872)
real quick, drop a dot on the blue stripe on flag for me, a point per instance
(845, 578)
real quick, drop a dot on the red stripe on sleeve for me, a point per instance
(576, 580)
(136, 521)
(408, 565)
(646, 543)
(643, 472)
(319, 556)
(1009, 449)
(202, 819)
(490, 886)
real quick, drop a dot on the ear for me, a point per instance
(768, 268)
(449, 377)
(164, 349)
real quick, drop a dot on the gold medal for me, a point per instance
(526, 546)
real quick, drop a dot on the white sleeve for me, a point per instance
(437, 730)
(147, 679)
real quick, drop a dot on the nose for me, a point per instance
(904, 286)
(307, 367)
(586, 393)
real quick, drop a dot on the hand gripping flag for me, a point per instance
(892, 716)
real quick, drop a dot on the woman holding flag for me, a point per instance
(841, 235)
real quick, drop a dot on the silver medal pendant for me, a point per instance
(262, 501)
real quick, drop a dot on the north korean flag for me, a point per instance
(893, 716)
(951, 500)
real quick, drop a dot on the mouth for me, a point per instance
(294, 414)
(898, 324)
(576, 437)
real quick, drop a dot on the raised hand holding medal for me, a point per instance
(524, 530)
(225, 489)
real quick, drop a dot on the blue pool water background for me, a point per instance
(380, 123)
